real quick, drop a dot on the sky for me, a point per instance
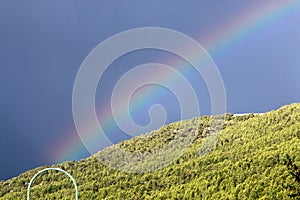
(255, 45)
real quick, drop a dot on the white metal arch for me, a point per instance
(56, 169)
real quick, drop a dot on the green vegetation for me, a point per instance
(293, 186)
(248, 162)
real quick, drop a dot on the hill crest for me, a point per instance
(246, 163)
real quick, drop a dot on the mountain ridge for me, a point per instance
(246, 163)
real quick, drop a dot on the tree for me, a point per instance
(294, 170)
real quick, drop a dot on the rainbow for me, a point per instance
(227, 35)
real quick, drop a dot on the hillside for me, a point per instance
(246, 163)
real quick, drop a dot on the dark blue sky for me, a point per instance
(43, 43)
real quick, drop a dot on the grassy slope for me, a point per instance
(245, 164)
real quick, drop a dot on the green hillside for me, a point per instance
(249, 161)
